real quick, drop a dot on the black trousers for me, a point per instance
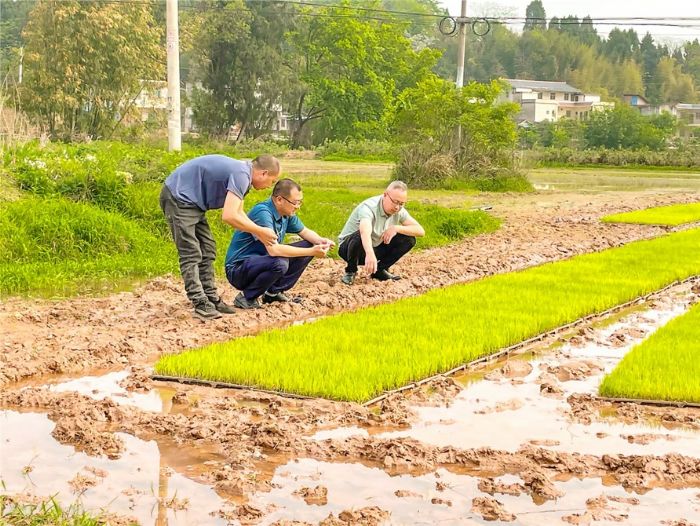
(196, 247)
(352, 251)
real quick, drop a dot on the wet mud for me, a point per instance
(521, 441)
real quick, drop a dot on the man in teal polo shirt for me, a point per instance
(258, 269)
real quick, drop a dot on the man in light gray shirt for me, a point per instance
(378, 233)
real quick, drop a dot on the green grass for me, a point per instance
(672, 215)
(666, 366)
(46, 513)
(355, 356)
(84, 218)
(58, 247)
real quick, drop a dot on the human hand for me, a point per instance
(267, 236)
(370, 263)
(389, 234)
(320, 251)
(326, 241)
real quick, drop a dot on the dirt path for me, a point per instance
(86, 334)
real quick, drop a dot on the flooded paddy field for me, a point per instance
(519, 441)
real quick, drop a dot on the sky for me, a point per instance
(600, 9)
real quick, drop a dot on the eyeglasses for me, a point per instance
(293, 203)
(397, 203)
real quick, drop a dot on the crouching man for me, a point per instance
(269, 271)
(378, 233)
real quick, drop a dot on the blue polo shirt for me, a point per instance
(204, 181)
(244, 245)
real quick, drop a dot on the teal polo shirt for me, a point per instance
(244, 245)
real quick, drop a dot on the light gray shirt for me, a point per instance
(373, 210)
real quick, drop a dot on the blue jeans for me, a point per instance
(257, 274)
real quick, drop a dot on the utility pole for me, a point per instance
(21, 65)
(460, 62)
(462, 44)
(173, 45)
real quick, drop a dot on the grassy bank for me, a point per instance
(355, 356)
(672, 215)
(74, 220)
(666, 366)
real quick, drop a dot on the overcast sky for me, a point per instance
(600, 9)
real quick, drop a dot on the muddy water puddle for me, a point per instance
(444, 497)
(109, 385)
(139, 484)
(510, 407)
(503, 407)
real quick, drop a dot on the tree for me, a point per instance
(650, 56)
(13, 17)
(84, 63)
(621, 45)
(535, 16)
(627, 79)
(426, 120)
(674, 85)
(351, 70)
(625, 127)
(239, 56)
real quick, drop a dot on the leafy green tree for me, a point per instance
(536, 17)
(239, 55)
(621, 45)
(624, 127)
(691, 60)
(627, 79)
(428, 116)
(674, 85)
(84, 63)
(351, 69)
(13, 17)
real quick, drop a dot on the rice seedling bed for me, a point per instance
(672, 215)
(357, 356)
(666, 366)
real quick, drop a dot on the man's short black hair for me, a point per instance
(284, 187)
(267, 162)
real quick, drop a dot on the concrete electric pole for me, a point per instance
(462, 45)
(173, 45)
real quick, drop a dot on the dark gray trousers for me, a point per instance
(196, 247)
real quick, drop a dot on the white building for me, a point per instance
(542, 100)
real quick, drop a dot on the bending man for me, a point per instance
(207, 183)
(269, 270)
(378, 233)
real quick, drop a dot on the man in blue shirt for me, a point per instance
(206, 183)
(269, 270)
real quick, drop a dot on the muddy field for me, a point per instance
(518, 442)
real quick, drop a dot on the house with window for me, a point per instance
(542, 100)
(689, 115)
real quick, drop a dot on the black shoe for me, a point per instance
(279, 296)
(222, 307)
(385, 275)
(206, 311)
(348, 278)
(242, 303)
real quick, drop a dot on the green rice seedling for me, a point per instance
(672, 215)
(356, 356)
(665, 366)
